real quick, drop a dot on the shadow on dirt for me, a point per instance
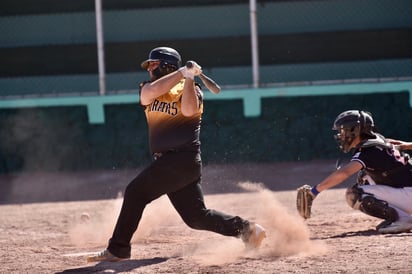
(369, 232)
(118, 267)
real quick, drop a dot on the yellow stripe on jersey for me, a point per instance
(168, 128)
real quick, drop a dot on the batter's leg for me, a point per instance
(189, 203)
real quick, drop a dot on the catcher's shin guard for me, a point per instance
(369, 205)
(378, 208)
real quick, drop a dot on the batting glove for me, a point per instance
(191, 70)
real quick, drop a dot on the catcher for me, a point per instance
(384, 182)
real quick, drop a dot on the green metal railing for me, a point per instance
(251, 97)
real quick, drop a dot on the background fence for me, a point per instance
(49, 49)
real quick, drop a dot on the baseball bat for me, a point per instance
(207, 81)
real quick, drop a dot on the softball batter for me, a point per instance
(173, 104)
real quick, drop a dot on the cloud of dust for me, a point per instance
(157, 217)
(97, 229)
(217, 251)
(287, 234)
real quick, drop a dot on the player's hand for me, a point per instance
(194, 67)
(191, 69)
(187, 73)
(304, 200)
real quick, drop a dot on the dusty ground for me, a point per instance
(51, 237)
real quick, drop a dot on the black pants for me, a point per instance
(177, 174)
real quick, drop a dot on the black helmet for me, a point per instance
(353, 123)
(167, 56)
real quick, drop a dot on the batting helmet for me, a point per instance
(351, 124)
(167, 56)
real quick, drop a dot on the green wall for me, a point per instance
(288, 129)
(49, 53)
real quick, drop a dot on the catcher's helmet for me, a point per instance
(168, 57)
(351, 124)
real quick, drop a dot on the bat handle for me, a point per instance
(189, 64)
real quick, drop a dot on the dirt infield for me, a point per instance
(51, 237)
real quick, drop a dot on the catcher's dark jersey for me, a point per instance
(168, 128)
(386, 166)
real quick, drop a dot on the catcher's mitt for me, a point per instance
(304, 201)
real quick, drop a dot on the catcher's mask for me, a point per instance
(169, 59)
(351, 124)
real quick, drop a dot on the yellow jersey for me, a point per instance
(168, 129)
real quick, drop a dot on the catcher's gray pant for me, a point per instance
(177, 174)
(398, 198)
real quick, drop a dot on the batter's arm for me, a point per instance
(152, 90)
(190, 100)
